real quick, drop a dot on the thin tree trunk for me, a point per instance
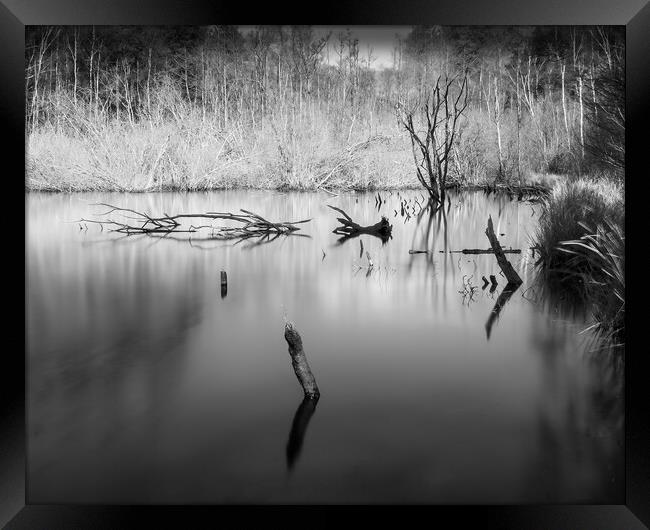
(582, 133)
(564, 111)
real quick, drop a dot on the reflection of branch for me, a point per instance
(503, 298)
(301, 419)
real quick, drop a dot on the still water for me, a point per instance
(147, 385)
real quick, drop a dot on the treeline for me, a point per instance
(556, 94)
(541, 99)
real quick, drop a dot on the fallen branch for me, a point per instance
(479, 251)
(383, 229)
(507, 269)
(252, 224)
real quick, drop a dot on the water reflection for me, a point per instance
(505, 295)
(144, 383)
(299, 425)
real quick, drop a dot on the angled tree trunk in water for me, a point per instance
(514, 280)
(301, 419)
(299, 362)
(508, 270)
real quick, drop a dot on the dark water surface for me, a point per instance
(146, 385)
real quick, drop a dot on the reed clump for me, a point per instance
(581, 240)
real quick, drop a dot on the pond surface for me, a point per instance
(146, 384)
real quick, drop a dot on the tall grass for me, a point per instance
(187, 150)
(581, 240)
(601, 261)
(573, 210)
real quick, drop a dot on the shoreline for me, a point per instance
(526, 190)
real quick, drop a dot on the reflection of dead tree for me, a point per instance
(299, 425)
(433, 218)
(503, 298)
(252, 224)
(349, 229)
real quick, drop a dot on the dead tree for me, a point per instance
(383, 229)
(514, 280)
(432, 147)
(508, 270)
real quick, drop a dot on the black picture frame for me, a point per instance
(634, 14)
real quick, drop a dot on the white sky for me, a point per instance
(380, 39)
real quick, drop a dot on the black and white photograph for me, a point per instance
(325, 264)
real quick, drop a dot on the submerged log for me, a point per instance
(383, 229)
(299, 362)
(482, 251)
(507, 269)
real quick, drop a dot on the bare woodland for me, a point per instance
(144, 108)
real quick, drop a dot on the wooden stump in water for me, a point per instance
(224, 284)
(299, 362)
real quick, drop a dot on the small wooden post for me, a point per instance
(299, 362)
(224, 284)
